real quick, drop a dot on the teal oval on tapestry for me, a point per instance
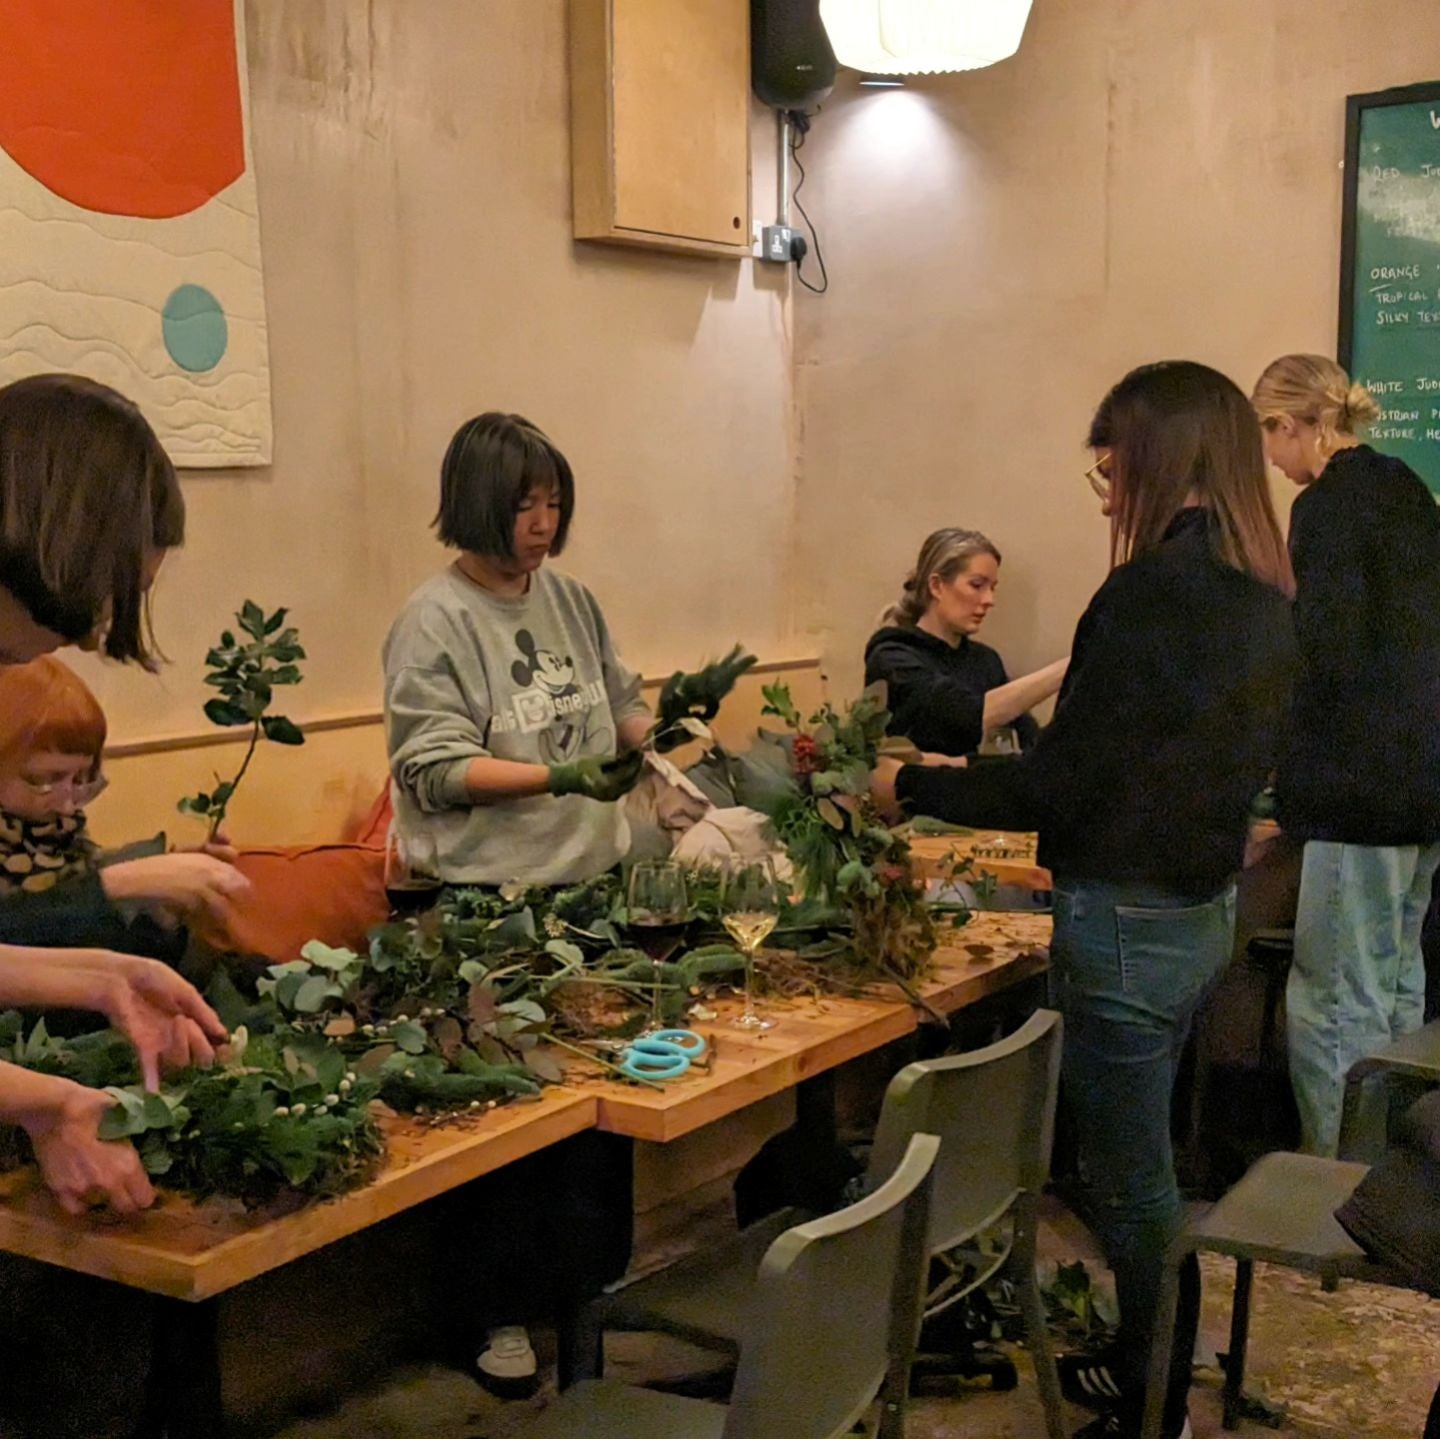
(194, 327)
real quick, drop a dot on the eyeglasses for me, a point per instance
(79, 792)
(1099, 479)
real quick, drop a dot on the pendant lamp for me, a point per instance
(923, 37)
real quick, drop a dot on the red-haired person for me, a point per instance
(54, 885)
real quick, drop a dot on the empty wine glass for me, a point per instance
(749, 909)
(412, 871)
(658, 912)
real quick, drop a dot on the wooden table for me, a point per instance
(937, 855)
(187, 1254)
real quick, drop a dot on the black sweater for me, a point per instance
(936, 691)
(1167, 726)
(1361, 763)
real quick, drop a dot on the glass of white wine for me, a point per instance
(749, 909)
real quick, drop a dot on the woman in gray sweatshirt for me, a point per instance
(512, 728)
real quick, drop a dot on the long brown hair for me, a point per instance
(1176, 430)
(945, 553)
(87, 498)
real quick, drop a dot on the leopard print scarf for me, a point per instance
(35, 855)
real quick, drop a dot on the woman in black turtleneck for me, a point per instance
(946, 690)
(1167, 725)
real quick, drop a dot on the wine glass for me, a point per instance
(412, 871)
(658, 912)
(749, 910)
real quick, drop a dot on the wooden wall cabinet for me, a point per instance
(660, 123)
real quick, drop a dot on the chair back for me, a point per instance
(994, 1110)
(832, 1298)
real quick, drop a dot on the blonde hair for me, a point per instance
(1315, 391)
(945, 554)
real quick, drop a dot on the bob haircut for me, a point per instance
(494, 461)
(87, 499)
(1179, 432)
(45, 705)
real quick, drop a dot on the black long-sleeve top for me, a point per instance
(937, 691)
(1167, 726)
(1361, 762)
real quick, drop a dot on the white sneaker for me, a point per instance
(506, 1365)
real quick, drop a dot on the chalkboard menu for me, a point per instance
(1390, 268)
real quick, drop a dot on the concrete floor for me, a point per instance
(1361, 1362)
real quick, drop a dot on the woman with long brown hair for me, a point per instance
(1166, 728)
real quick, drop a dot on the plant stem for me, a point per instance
(218, 818)
(914, 995)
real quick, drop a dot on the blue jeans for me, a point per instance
(1358, 981)
(1130, 965)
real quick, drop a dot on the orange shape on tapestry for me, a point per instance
(128, 109)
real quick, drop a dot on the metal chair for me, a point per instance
(836, 1300)
(1413, 1060)
(994, 1109)
(1281, 1212)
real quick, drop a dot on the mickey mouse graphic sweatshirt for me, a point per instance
(534, 679)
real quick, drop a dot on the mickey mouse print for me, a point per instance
(569, 713)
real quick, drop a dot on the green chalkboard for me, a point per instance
(1390, 268)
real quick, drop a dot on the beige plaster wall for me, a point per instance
(1146, 179)
(414, 181)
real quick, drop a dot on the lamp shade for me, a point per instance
(923, 37)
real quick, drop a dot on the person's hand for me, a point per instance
(943, 761)
(160, 1013)
(79, 1167)
(186, 881)
(595, 778)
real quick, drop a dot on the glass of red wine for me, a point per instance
(412, 872)
(659, 911)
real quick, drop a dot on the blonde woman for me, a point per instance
(1359, 783)
(947, 691)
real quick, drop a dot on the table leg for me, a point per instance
(182, 1399)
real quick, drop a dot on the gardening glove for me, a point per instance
(595, 778)
(697, 696)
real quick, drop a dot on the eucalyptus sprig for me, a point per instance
(247, 672)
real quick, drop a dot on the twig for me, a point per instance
(915, 997)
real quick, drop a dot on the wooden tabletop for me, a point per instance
(810, 1036)
(1008, 856)
(194, 1251)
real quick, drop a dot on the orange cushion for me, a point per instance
(330, 892)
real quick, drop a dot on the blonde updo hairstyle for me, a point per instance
(944, 555)
(1315, 391)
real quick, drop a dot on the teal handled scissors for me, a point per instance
(666, 1054)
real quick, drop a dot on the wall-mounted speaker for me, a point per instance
(792, 66)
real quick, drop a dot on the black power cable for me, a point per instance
(799, 128)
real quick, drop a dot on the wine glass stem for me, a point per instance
(749, 981)
(655, 995)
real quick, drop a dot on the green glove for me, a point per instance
(697, 696)
(596, 778)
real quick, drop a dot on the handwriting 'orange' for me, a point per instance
(129, 107)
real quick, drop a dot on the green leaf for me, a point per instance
(544, 1066)
(275, 621)
(196, 804)
(252, 620)
(285, 675)
(281, 730)
(779, 703)
(225, 712)
(515, 930)
(567, 953)
(313, 992)
(410, 1037)
(325, 957)
(222, 794)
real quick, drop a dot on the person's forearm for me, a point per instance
(634, 731)
(1006, 703)
(28, 1098)
(493, 781)
(50, 978)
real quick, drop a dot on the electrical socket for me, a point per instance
(776, 244)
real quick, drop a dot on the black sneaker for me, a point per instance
(1112, 1426)
(1090, 1380)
